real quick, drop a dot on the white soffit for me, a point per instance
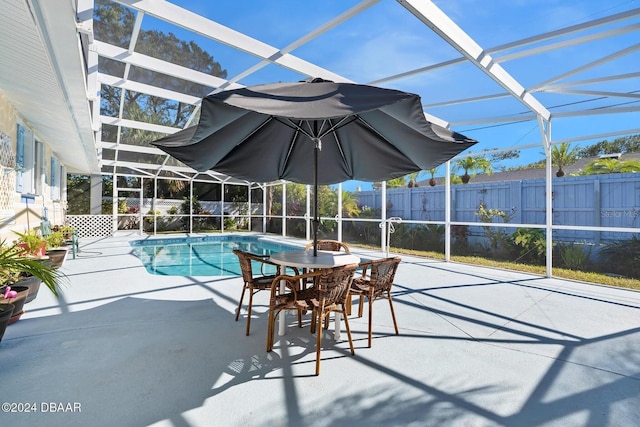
(42, 77)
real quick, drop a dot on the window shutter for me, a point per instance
(19, 159)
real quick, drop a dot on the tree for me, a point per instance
(602, 166)
(392, 183)
(563, 155)
(626, 144)
(413, 179)
(397, 182)
(471, 165)
(432, 180)
(78, 194)
(350, 207)
(113, 23)
(504, 155)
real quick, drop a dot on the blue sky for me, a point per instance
(386, 40)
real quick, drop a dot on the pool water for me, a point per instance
(202, 256)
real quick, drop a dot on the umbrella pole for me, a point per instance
(316, 219)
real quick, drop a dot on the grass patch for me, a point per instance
(582, 276)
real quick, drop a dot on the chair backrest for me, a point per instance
(383, 272)
(329, 245)
(333, 283)
(245, 264)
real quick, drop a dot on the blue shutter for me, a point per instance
(19, 158)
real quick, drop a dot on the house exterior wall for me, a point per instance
(17, 212)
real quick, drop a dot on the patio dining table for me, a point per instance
(306, 259)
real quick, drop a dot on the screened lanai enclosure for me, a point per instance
(554, 88)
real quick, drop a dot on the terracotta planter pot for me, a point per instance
(18, 302)
(6, 310)
(38, 252)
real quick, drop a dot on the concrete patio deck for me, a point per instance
(477, 347)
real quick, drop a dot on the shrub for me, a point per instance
(499, 240)
(532, 245)
(575, 257)
(622, 257)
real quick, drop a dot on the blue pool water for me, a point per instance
(201, 256)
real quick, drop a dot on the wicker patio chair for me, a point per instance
(253, 282)
(376, 285)
(328, 295)
(329, 245)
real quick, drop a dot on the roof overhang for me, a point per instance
(44, 77)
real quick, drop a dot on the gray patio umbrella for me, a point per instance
(313, 132)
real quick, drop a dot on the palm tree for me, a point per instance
(563, 155)
(413, 179)
(432, 181)
(471, 165)
(602, 166)
(350, 207)
(392, 183)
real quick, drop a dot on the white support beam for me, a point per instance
(541, 38)
(565, 114)
(193, 22)
(143, 61)
(427, 12)
(137, 125)
(605, 79)
(619, 54)
(357, 9)
(597, 93)
(134, 86)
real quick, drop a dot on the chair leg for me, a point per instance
(270, 329)
(360, 306)
(393, 314)
(319, 342)
(346, 326)
(313, 320)
(370, 316)
(251, 292)
(244, 288)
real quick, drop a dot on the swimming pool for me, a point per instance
(201, 256)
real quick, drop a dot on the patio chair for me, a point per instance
(329, 245)
(328, 295)
(376, 285)
(253, 282)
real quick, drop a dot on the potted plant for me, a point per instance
(56, 248)
(16, 269)
(6, 311)
(471, 165)
(16, 296)
(432, 180)
(32, 243)
(66, 230)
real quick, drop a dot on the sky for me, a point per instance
(386, 40)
